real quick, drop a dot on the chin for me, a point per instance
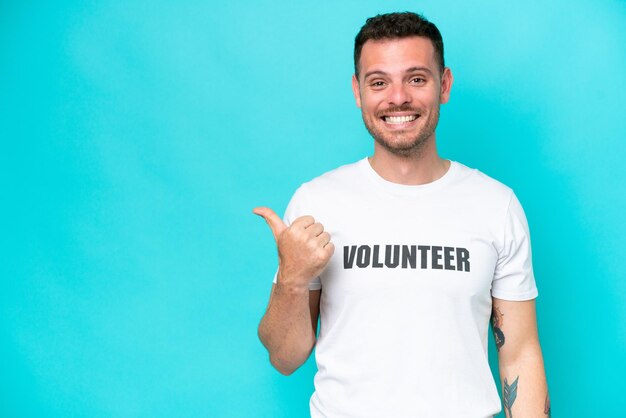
(403, 149)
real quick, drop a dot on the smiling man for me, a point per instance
(405, 257)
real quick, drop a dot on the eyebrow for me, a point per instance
(408, 70)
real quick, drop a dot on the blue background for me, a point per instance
(138, 135)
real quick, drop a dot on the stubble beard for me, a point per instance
(412, 147)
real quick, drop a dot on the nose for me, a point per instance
(399, 94)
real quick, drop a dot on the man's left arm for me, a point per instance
(522, 373)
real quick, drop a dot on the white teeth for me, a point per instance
(400, 119)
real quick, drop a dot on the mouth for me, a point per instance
(399, 119)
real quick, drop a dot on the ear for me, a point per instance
(446, 85)
(356, 91)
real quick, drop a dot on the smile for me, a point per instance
(399, 119)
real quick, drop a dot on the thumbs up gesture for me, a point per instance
(304, 248)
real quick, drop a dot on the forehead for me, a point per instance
(394, 55)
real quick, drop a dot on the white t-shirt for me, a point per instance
(406, 297)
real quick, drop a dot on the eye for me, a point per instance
(377, 84)
(418, 80)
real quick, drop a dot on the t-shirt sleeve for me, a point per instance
(513, 276)
(297, 207)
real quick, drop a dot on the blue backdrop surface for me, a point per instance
(138, 135)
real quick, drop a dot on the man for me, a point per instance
(427, 250)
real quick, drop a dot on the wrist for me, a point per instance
(291, 283)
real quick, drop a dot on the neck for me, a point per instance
(421, 168)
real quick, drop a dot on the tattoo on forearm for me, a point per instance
(496, 322)
(546, 409)
(510, 393)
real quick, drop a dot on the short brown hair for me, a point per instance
(394, 26)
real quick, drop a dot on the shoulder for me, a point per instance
(334, 181)
(323, 193)
(483, 186)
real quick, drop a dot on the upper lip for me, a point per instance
(400, 114)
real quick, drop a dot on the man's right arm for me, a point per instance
(289, 327)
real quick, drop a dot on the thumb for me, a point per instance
(275, 223)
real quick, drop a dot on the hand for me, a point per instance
(304, 248)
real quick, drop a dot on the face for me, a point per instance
(399, 90)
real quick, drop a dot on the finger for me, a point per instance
(330, 249)
(303, 221)
(275, 223)
(323, 238)
(314, 229)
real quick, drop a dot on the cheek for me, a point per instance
(371, 104)
(430, 96)
(370, 111)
